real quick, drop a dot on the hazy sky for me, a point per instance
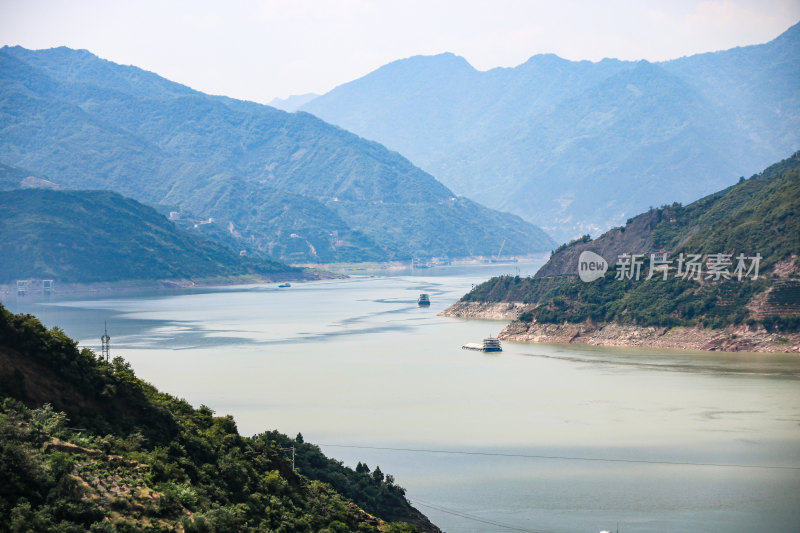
(257, 50)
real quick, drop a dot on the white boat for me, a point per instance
(490, 344)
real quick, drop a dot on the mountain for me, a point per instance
(758, 217)
(287, 185)
(292, 103)
(18, 178)
(88, 446)
(89, 236)
(574, 146)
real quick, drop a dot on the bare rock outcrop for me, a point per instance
(730, 339)
(486, 310)
(635, 238)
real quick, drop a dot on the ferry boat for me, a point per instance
(490, 344)
(423, 299)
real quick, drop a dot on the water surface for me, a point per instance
(558, 438)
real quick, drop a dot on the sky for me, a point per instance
(261, 49)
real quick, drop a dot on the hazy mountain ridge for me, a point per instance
(94, 124)
(293, 102)
(555, 141)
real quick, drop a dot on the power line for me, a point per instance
(566, 457)
(471, 517)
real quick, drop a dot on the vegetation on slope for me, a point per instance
(528, 290)
(760, 214)
(87, 236)
(461, 225)
(757, 216)
(87, 446)
(271, 178)
(656, 302)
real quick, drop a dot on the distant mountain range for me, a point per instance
(287, 186)
(574, 146)
(101, 236)
(292, 103)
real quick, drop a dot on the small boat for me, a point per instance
(423, 299)
(283, 285)
(490, 344)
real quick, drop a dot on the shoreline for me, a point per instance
(396, 266)
(729, 339)
(310, 272)
(35, 289)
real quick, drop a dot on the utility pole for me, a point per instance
(105, 339)
(292, 450)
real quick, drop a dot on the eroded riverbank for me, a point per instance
(730, 339)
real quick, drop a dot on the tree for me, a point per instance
(377, 475)
(47, 421)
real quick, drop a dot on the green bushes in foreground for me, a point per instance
(109, 452)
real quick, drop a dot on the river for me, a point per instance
(544, 438)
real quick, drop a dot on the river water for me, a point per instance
(542, 438)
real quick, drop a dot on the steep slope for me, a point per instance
(557, 141)
(271, 177)
(87, 236)
(757, 217)
(88, 446)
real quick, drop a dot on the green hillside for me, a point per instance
(760, 215)
(87, 236)
(285, 185)
(87, 446)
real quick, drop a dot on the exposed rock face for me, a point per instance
(635, 238)
(486, 310)
(730, 339)
(32, 182)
